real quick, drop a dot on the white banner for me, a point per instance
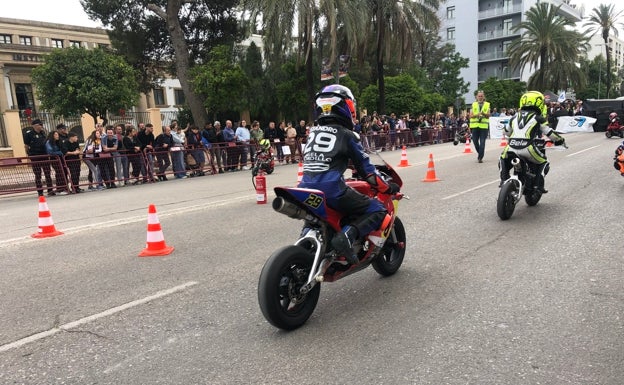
(565, 124)
(575, 124)
(497, 123)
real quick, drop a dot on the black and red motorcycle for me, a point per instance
(290, 282)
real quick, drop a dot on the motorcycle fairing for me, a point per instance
(313, 201)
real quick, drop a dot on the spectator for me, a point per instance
(92, 151)
(276, 137)
(109, 152)
(213, 141)
(34, 144)
(147, 140)
(177, 151)
(256, 135)
(72, 159)
(302, 133)
(194, 143)
(242, 136)
(291, 141)
(162, 145)
(121, 159)
(578, 108)
(53, 148)
(231, 151)
(133, 153)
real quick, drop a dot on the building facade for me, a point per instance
(482, 30)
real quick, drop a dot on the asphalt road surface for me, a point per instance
(537, 299)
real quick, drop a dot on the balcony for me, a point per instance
(496, 34)
(501, 75)
(496, 55)
(500, 11)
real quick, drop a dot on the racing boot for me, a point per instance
(504, 171)
(343, 243)
(541, 177)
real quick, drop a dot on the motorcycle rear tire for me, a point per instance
(608, 134)
(270, 170)
(389, 261)
(506, 204)
(280, 300)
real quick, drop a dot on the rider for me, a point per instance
(330, 146)
(523, 129)
(264, 146)
(619, 159)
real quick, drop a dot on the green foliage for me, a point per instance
(76, 81)
(255, 97)
(291, 93)
(503, 93)
(369, 99)
(221, 81)
(403, 94)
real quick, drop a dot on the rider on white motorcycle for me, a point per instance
(330, 146)
(527, 125)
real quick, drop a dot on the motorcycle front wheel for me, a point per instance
(608, 134)
(279, 295)
(506, 202)
(388, 262)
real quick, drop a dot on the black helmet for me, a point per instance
(335, 103)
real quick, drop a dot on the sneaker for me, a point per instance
(245, 168)
(63, 192)
(91, 188)
(343, 244)
(51, 194)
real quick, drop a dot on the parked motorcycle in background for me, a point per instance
(290, 282)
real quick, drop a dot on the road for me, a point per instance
(537, 299)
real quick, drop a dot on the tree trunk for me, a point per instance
(608, 53)
(380, 61)
(182, 62)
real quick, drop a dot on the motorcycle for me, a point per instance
(290, 281)
(614, 128)
(264, 162)
(523, 181)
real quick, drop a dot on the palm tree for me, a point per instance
(548, 43)
(290, 23)
(397, 26)
(603, 20)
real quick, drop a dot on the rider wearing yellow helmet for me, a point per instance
(524, 128)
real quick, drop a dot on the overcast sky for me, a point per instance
(71, 12)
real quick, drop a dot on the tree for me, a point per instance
(76, 81)
(547, 41)
(403, 95)
(220, 82)
(503, 93)
(395, 25)
(174, 31)
(603, 20)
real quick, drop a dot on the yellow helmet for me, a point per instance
(533, 100)
(264, 144)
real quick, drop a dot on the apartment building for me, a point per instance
(482, 30)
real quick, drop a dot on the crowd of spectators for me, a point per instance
(122, 155)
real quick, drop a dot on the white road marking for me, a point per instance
(470, 189)
(582, 151)
(82, 321)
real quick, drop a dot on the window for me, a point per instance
(450, 33)
(450, 13)
(74, 43)
(24, 95)
(159, 97)
(57, 43)
(5, 39)
(507, 26)
(25, 40)
(179, 97)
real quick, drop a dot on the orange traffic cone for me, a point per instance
(431, 175)
(467, 149)
(404, 162)
(503, 142)
(45, 223)
(155, 240)
(299, 173)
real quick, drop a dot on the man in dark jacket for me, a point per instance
(34, 143)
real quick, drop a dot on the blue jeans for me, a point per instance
(479, 136)
(177, 158)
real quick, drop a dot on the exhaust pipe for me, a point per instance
(515, 161)
(290, 209)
